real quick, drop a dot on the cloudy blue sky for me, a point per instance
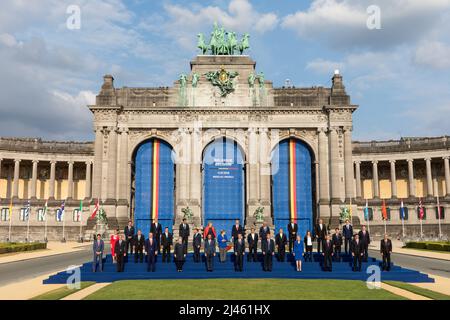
(399, 74)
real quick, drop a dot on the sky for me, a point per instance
(398, 74)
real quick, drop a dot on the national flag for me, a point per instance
(384, 211)
(44, 212)
(10, 209)
(402, 211)
(27, 210)
(366, 211)
(95, 212)
(60, 213)
(80, 211)
(438, 208)
(421, 211)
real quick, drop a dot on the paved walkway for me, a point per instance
(441, 284)
(81, 294)
(397, 248)
(402, 293)
(53, 248)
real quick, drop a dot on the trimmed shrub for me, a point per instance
(21, 247)
(435, 246)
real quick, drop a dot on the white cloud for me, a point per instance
(433, 54)
(322, 66)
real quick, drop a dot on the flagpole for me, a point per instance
(10, 221)
(28, 221)
(45, 225)
(64, 222)
(439, 216)
(81, 220)
(385, 230)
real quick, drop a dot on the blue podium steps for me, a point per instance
(252, 270)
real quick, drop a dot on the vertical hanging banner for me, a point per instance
(155, 180)
(292, 180)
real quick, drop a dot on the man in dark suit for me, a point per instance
(197, 244)
(120, 252)
(347, 231)
(235, 230)
(268, 251)
(210, 252)
(252, 240)
(386, 250)
(178, 255)
(184, 233)
(166, 243)
(364, 237)
(321, 233)
(98, 248)
(139, 243)
(327, 254)
(292, 231)
(239, 252)
(152, 252)
(337, 244)
(263, 231)
(129, 236)
(357, 253)
(281, 241)
(156, 229)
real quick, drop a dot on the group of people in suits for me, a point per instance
(159, 241)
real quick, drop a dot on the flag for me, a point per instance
(60, 213)
(350, 208)
(80, 211)
(438, 208)
(10, 210)
(95, 212)
(366, 212)
(27, 210)
(384, 211)
(44, 213)
(402, 211)
(421, 211)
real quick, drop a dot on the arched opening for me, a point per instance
(153, 184)
(223, 183)
(293, 185)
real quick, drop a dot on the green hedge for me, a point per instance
(20, 247)
(435, 246)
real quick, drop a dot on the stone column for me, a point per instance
(411, 184)
(123, 172)
(15, 192)
(51, 185)
(264, 168)
(112, 166)
(252, 166)
(429, 178)
(393, 180)
(375, 182)
(70, 181)
(348, 168)
(98, 158)
(34, 179)
(447, 176)
(324, 182)
(195, 172)
(358, 178)
(334, 172)
(87, 185)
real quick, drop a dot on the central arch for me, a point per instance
(223, 183)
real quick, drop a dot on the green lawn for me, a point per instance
(418, 290)
(237, 289)
(62, 292)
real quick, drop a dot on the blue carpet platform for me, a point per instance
(252, 270)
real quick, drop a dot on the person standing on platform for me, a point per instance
(166, 243)
(156, 229)
(308, 241)
(357, 253)
(347, 231)
(120, 250)
(263, 231)
(386, 250)
(197, 244)
(98, 248)
(252, 240)
(239, 252)
(364, 237)
(298, 252)
(327, 254)
(210, 252)
(292, 231)
(184, 233)
(321, 234)
(237, 229)
(268, 251)
(178, 255)
(209, 230)
(152, 252)
(139, 243)
(222, 240)
(112, 241)
(281, 241)
(129, 236)
(337, 244)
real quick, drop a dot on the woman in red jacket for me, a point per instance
(114, 238)
(209, 230)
